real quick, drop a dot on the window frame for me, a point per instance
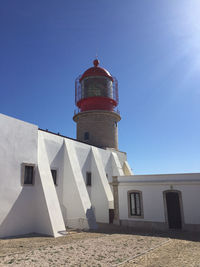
(56, 170)
(86, 136)
(23, 167)
(86, 182)
(139, 193)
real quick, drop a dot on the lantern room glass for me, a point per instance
(96, 86)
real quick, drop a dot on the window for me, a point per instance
(54, 175)
(27, 174)
(88, 178)
(86, 136)
(135, 203)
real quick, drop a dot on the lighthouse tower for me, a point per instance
(96, 96)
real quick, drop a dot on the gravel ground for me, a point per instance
(110, 246)
(174, 253)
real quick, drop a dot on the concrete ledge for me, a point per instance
(97, 112)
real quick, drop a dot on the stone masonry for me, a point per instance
(101, 126)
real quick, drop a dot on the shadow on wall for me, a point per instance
(20, 218)
(58, 164)
(87, 163)
(91, 219)
(111, 229)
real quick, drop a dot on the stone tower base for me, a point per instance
(98, 128)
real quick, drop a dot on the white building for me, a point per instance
(49, 181)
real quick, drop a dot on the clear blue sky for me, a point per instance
(152, 47)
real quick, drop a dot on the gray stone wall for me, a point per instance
(101, 126)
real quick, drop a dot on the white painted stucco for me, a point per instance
(47, 208)
(18, 144)
(43, 207)
(152, 188)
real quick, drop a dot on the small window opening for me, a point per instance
(54, 175)
(86, 136)
(88, 179)
(135, 204)
(28, 174)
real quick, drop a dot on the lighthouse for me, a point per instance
(96, 97)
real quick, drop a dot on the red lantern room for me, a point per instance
(96, 97)
(96, 89)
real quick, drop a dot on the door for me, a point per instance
(111, 215)
(173, 210)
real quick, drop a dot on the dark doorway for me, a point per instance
(173, 210)
(111, 215)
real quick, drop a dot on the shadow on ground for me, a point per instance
(111, 229)
(174, 234)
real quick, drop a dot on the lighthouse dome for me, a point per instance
(96, 71)
(96, 89)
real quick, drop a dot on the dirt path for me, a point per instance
(110, 247)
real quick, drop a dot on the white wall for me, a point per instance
(153, 206)
(72, 165)
(191, 201)
(26, 208)
(41, 207)
(55, 149)
(152, 188)
(79, 212)
(18, 144)
(51, 213)
(101, 195)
